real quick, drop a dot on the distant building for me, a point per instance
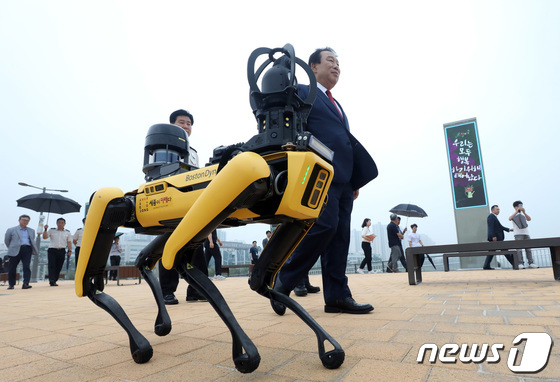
(132, 244)
(235, 253)
(232, 252)
(355, 241)
(222, 234)
(380, 245)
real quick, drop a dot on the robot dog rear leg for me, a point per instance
(245, 354)
(109, 210)
(279, 248)
(145, 262)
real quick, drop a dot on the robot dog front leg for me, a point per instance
(245, 354)
(242, 181)
(109, 210)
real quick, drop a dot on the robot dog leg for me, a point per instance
(145, 262)
(244, 179)
(109, 209)
(244, 353)
(285, 239)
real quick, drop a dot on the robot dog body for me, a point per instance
(285, 185)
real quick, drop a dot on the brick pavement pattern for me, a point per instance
(49, 334)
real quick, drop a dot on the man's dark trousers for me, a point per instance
(329, 238)
(216, 254)
(55, 258)
(490, 257)
(495, 229)
(169, 279)
(24, 256)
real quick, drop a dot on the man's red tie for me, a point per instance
(329, 94)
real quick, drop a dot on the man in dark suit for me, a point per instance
(495, 233)
(329, 238)
(20, 241)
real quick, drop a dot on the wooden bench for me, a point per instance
(226, 268)
(413, 253)
(123, 272)
(446, 257)
(4, 278)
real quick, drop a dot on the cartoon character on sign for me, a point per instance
(469, 191)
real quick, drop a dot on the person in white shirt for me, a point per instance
(169, 279)
(78, 241)
(60, 239)
(521, 232)
(367, 238)
(115, 256)
(415, 241)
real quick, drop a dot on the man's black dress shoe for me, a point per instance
(170, 299)
(196, 297)
(53, 284)
(347, 305)
(11, 287)
(26, 286)
(312, 289)
(300, 290)
(279, 308)
(488, 268)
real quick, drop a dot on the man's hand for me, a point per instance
(356, 193)
(495, 238)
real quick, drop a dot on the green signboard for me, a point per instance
(465, 164)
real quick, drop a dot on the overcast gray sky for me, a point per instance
(81, 82)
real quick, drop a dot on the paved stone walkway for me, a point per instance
(49, 334)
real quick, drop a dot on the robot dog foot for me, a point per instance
(332, 359)
(140, 348)
(245, 354)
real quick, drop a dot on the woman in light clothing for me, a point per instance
(367, 238)
(115, 256)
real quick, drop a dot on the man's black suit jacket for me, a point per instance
(352, 163)
(495, 228)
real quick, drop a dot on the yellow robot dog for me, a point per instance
(280, 176)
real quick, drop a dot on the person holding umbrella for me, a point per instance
(402, 259)
(394, 236)
(60, 239)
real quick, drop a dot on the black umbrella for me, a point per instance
(409, 210)
(45, 202)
